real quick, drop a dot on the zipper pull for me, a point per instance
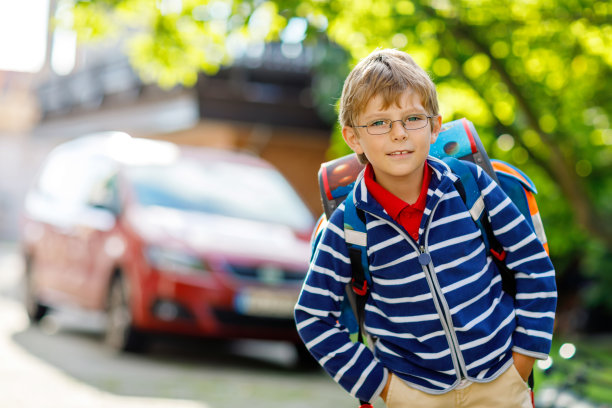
(424, 258)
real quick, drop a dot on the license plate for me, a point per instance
(268, 303)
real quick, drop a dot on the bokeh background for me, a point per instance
(264, 76)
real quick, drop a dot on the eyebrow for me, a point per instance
(381, 116)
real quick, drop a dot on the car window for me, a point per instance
(105, 194)
(224, 188)
(72, 178)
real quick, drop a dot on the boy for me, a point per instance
(445, 334)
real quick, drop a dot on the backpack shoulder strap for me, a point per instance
(354, 223)
(316, 235)
(521, 190)
(358, 290)
(470, 194)
(356, 242)
(472, 197)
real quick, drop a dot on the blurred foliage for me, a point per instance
(587, 373)
(171, 41)
(533, 76)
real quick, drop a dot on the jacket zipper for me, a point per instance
(446, 319)
(426, 263)
(445, 311)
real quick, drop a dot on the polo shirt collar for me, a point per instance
(392, 204)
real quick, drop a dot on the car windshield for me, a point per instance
(224, 188)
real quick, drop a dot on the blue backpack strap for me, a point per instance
(316, 235)
(355, 235)
(356, 242)
(472, 197)
(470, 194)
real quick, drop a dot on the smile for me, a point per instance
(399, 152)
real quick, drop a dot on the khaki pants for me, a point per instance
(508, 390)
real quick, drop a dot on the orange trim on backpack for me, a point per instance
(498, 166)
(533, 210)
(322, 221)
(531, 203)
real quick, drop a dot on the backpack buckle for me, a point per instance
(500, 256)
(361, 291)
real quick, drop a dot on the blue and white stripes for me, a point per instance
(438, 323)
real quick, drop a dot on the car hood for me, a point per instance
(219, 235)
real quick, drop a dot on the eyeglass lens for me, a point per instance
(412, 122)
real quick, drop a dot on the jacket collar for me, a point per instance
(442, 180)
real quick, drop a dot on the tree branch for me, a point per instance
(558, 166)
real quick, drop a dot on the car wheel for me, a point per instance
(120, 333)
(35, 310)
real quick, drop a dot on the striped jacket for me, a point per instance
(434, 324)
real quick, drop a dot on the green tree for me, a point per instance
(535, 72)
(533, 75)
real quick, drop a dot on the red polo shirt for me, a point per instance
(407, 215)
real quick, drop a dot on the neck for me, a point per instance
(407, 188)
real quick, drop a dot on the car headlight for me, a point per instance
(175, 261)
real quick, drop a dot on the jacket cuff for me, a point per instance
(381, 387)
(528, 353)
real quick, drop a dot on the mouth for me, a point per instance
(400, 153)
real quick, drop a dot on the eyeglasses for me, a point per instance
(410, 122)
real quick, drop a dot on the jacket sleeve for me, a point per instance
(536, 298)
(352, 365)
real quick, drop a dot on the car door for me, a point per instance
(50, 209)
(100, 238)
(60, 207)
(93, 221)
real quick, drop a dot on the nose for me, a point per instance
(398, 131)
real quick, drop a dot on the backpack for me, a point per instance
(457, 142)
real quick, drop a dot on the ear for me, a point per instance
(352, 139)
(437, 126)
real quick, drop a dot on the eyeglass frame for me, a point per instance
(397, 120)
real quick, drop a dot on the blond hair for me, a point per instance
(388, 73)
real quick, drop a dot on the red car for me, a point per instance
(166, 239)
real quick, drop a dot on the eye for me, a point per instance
(379, 123)
(414, 118)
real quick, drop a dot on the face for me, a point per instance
(397, 157)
